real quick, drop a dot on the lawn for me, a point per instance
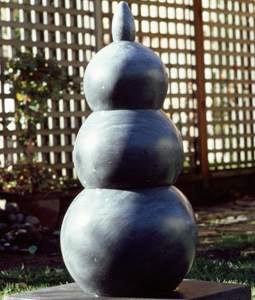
(18, 280)
(229, 258)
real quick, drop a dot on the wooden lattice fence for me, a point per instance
(206, 46)
(229, 47)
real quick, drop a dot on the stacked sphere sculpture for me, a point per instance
(130, 233)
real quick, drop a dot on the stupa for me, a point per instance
(130, 232)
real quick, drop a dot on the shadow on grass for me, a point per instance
(228, 258)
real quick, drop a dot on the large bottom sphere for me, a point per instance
(129, 243)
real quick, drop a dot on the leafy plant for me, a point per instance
(29, 177)
(33, 81)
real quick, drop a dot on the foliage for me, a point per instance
(29, 177)
(33, 80)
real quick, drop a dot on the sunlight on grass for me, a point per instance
(237, 270)
(226, 242)
(233, 268)
(234, 241)
(18, 280)
(237, 267)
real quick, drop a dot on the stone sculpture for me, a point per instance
(129, 233)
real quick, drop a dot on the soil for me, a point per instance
(234, 217)
(47, 254)
(11, 260)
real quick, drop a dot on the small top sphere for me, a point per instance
(125, 74)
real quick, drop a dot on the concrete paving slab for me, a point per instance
(188, 290)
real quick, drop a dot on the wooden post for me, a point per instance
(200, 80)
(98, 24)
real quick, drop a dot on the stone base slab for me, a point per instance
(188, 290)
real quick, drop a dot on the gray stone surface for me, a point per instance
(11, 218)
(123, 24)
(128, 234)
(125, 75)
(128, 149)
(11, 207)
(19, 217)
(32, 220)
(231, 217)
(129, 242)
(188, 290)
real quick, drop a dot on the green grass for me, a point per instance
(227, 258)
(236, 270)
(227, 242)
(18, 280)
(237, 265)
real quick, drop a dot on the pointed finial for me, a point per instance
(123, 24)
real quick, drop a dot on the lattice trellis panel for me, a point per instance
(60, 29)
(167, 27)
(229, 28)
(72, 31)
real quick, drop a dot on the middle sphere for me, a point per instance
(128, 149)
